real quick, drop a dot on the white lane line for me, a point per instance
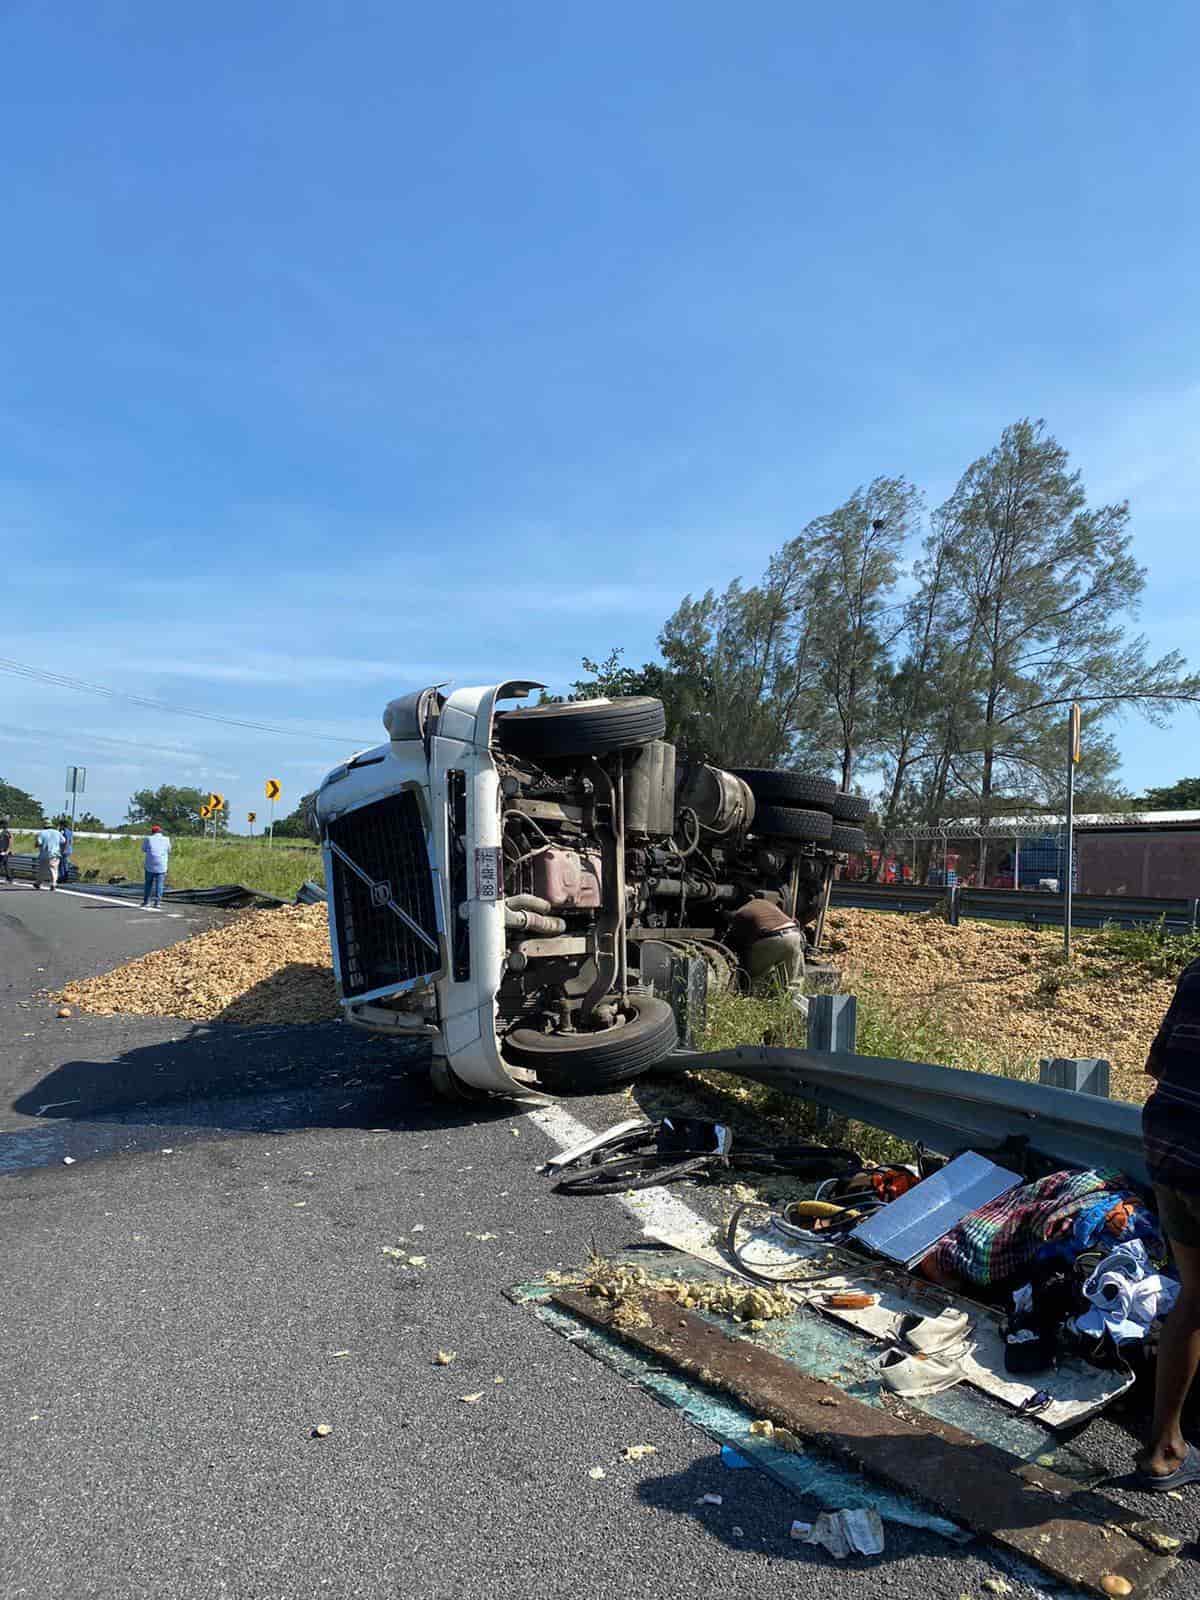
(111, 900)
(658, 1210)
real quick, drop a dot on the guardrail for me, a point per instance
(1036, 907)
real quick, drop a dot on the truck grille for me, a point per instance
(383, 896)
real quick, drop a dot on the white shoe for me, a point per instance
(936, 1335)
(907, 1372)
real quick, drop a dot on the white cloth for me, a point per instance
(1127, 1298)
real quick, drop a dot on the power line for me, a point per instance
(59, 680)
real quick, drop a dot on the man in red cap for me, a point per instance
(156, 848)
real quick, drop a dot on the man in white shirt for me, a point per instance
(156, 848)
(49, 843)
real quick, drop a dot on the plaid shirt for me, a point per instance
(1171, 1118)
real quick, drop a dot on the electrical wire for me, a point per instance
(60, 680)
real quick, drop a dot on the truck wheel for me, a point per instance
(850, 808)
(582, 727)
(848, 841)
(591, 1063)
(783, 822)
(777, 787)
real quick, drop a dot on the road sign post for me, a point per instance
(1074, 750)
(76, 783)
(272, 789)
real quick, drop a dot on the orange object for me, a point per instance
(850, 1300)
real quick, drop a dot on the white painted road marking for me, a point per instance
(112, 900)
(658, 1210)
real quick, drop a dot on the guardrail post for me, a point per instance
(954, 905)
(832, 1025)
(1195, 913)
(689, 998)
(1084, 1074)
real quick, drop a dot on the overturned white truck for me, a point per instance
(498, 880)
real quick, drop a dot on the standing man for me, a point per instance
(49, 843)
(1171, 1135)
(156, 848)
(6, 849)
(68, 844)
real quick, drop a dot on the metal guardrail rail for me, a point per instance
(945, 1108)
(1022, 905)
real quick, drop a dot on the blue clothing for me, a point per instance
(153, 892)
(156, 848)
(68, 841)
(49, 843)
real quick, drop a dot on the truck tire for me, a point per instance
(783, 822)
(777, 787)
(848, 841)
(592, 1063)
(850, 808)
(582, 727)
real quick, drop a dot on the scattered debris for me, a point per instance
(472, 1399)
(635, 1452)
(843, 1533)
(710, 1500)
(597, 1473)
(1159, 1540)
(497, 1379)
(997, 1586)
(738, 1533)
(391, 1250)
(986, 982)
(1113, 1583)
(624, 1286)
(68, 1161)
(417, 1261)
(483, 1237)
(764, 1428)
(339, 1354)
(417, 1227)
(64, 1011)
(259, 967)
(322, 1430)
(444, 1358)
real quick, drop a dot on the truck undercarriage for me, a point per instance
(501, 880)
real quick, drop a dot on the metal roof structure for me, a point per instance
(1035, 826)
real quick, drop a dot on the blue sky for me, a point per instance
(352, 347)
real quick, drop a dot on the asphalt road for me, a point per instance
(207, 1281)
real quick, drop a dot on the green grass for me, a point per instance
(1161, 954)
(882, 1031)
(203, 863)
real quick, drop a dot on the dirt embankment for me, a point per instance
(264, 966)
(1006, 990)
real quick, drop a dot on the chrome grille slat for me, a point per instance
(377, 946)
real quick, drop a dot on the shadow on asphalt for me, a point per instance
(220, 1080)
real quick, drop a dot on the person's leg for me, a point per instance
(160, 879)
(54, 872)
(1178, 1361)
(148, 887)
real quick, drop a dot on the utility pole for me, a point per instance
(1073, 754)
